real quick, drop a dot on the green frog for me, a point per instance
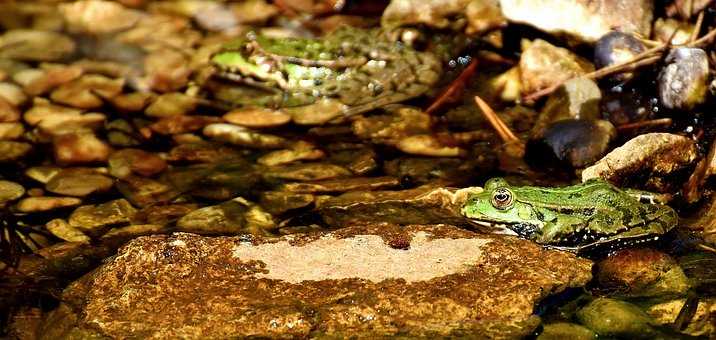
(348, 71)
(577, 217)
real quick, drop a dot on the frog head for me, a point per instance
(498, 206)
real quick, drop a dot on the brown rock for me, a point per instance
(78, 182)
(305, 172)
(441, 281)
(343, 185)
(98, 17)
(127, 161)
(45, 203)
(9, 131)
(543, 65)
(257, 118)
(92, 219)
(8, 112)
(37, 82)
(422, 205)
(642, 272)
(586, 20)
(299, 151)
(652, 155)
(12, 151)
(481, 15)
(132, 102)
(201, 153)
(182, 124)
(43, 108)
(35, 45)
(167, 69)
(171, 104)
(59, 124)
(239, 135)
(88, 91)
(80, 148)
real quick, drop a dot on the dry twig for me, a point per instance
(646, 123)
(456, 86)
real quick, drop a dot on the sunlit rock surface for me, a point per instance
(585, 20)
(365, 281)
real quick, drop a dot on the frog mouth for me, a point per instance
(501, 228)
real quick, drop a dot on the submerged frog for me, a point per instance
(576, 217)
(349, 71)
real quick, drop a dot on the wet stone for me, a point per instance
(683, 82)
(617, 47)
(12, 93)
(305, 172)
(343, 185)
(93, 219)
(10, 131)
(11, 151)
(422, 205)
(80, 148)
(279, 202)
(577, 99)
(476, 16)
(132, 102)
(98, 17)
(10, 191)
(574, 141)
(323, 111)
(56, 125)
(299, 151)
(42, 108)
(201, 153)
(237, 216)
(128, 161)
(703, 323)
(182, 124)
(642, 273)
(614, 318)
(241, 136)
(78, 182)
(46, 203)
(119, 236)
(543, 65)
(393, 126)
(428, 145)
(88, 91)
(565, 330)
(8, 112)
(39, 81)
(457, 282)
(167, 70)
(257, 118)
(142, 191)
(171, 104)
(65, 231)
(163, 214)
(585, 20)
(678, 31)
(651, 155)
(42, 174)
(35, 45)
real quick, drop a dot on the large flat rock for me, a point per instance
(367, 281)
(585, 20)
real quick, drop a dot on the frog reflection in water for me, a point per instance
(575, 218)
(348, 71)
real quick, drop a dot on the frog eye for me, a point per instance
(501, 198)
